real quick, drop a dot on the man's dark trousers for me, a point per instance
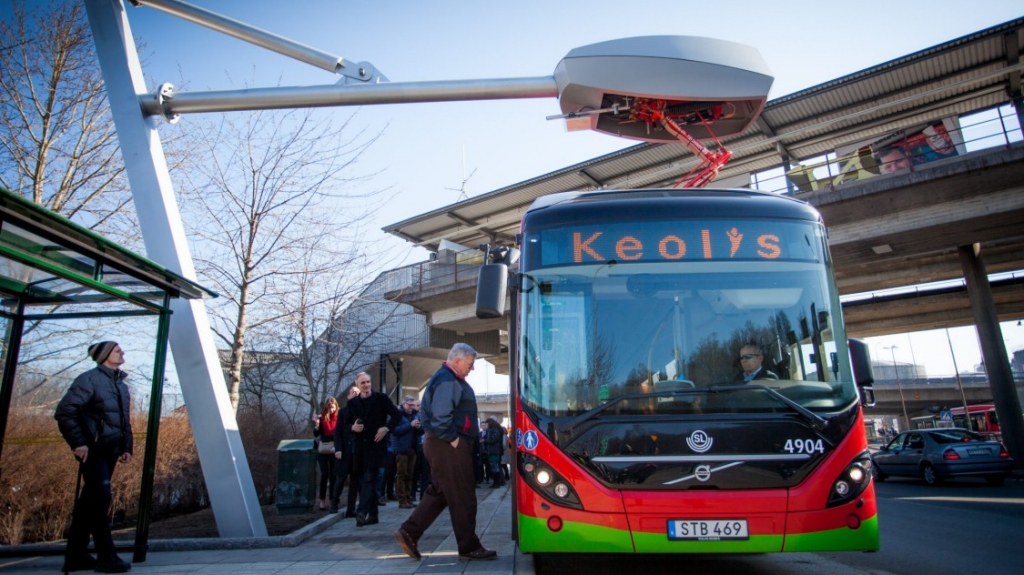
(367, 459)
(90, 516)
(452, 485)
(343, 469)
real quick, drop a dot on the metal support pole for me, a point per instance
(236, 506)
(248, 33)
(171, 104)
(959, 384)
(899, 385)
(993, 352)
(156, 395)
(1018, 107)
(398, 381)
(10, 359)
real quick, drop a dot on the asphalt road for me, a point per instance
(963, 526)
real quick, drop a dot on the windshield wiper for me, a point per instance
(592, 413)
(817, 422)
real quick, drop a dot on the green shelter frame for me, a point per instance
(58, 264)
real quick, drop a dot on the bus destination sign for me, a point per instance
(657, 241)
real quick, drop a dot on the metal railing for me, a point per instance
(447, 269)
(981, 130)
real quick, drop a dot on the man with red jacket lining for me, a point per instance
(450, 422)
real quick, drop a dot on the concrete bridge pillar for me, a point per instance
(993, 351)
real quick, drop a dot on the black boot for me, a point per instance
(113, 565)
(79, 563)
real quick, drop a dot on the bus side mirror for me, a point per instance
(863, 372)
(492, 280)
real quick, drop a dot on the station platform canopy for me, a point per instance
(47, 260)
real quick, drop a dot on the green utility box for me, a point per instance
(296, 476)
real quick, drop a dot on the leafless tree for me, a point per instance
(335, 331)
(58, 146)
(270, 198)
(58, 149)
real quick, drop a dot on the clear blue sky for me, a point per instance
(505, 142)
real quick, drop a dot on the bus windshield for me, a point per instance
(614, 316)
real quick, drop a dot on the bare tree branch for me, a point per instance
(58, 146)
(274, 198)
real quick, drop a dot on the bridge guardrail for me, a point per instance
(449, 268)
(981, 130)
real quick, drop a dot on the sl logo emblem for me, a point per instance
(699, 441)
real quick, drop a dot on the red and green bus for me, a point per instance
(633, 435)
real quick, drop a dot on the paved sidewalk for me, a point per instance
(340, 548)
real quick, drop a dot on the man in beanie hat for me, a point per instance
(99, 352)
(94, 418)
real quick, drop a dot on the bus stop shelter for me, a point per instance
(53, 270)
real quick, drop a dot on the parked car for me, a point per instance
(938, 454)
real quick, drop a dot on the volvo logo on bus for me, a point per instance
(699, 441)
(702, 473)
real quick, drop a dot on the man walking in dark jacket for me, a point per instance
(449, 416)
(370, 416)
(94, 418)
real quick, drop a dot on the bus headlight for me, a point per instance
(857, 474)
(562, 490)
(851, 482)
(543, 479)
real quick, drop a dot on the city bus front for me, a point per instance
(682, 380)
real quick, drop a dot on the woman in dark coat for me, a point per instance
(495, 442)
(325, 426)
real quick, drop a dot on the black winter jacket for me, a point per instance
(96, 412)
(376, 411)
(449, 408)
(496, 440)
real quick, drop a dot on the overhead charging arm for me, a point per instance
(713, 160)
(361, 72)
(600, 81)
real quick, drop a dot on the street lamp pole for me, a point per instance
(899, 385)
(963, 397)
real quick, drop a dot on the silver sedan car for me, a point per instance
(937, 454)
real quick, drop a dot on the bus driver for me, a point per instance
(750, 362)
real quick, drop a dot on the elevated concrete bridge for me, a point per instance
(921, 395)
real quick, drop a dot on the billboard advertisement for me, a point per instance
(891, 153)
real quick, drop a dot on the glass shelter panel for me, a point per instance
(16, 238)
(38, 483)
